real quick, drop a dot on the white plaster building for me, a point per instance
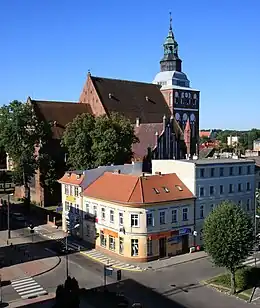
(213, 181)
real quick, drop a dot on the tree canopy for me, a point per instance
(20, 133)
(91, 142)
(67, 294)
(228, 237)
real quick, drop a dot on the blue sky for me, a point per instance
(48, 46)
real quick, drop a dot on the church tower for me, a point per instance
(182, 100)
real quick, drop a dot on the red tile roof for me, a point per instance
(72, 178)
(138, 190)
(205, 134)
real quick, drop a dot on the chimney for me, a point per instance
(117, 171)
(137, 122)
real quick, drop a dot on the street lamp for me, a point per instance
(66, 248)
(256, 217)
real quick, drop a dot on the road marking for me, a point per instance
(28, 287)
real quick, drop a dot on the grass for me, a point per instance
(246, 279)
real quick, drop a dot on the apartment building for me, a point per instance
(73, 184)
(213, 181)
(138, 218)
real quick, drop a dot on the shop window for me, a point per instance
(134, 247)
(112, 243)
(121, 245)
(103, 241)
(149, 247)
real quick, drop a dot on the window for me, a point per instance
(212, 207)
(202, 173)
(134, 247)
(248, 186)
(211, 190)
(103, 213)
(134, 220)
(248, 202)
(239, 187)
(121, 245)
(95, 210)
(231, 188)
(87, 207)
(112, 216)
(162, 218)
(70, 190)
(174, 216)
(184, 214)
(212, 172)
(67, 206)
(221, 189)
(88, 230)
(149, 247)
(156, 191)
(221, 171)
(67, 190)
(230, 170)
(248, 169)
(239, 170)
(201, 191)
(202, 211)
(149, 219)
(77, 209)
(112, 243)
(103, 241)
(76, 191)
(166, 189)
(121, 219)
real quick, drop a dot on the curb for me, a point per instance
(50, 269)
(178, 263)
(113, 266)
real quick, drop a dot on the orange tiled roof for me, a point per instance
(72, 178)
(132, 189)
(205, 134)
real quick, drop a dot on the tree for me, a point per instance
(91, 142)
(228, 237)
(67, 295)
(20, 134)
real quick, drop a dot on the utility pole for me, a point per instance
(8, 217)
(1, 296)
(67, 256)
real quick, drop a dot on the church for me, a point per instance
(164, 113)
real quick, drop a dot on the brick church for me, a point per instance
(165, 114)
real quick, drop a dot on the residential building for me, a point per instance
(256, 159)
(213, 181)
(232, 140)
(139, 218)
(256, 145)
(73, 184)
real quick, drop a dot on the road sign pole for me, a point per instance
(105, 275)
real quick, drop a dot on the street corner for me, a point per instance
(100, 258)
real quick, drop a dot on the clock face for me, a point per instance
(192, 117)
(186, 95)
(184, 117)
(177, 116)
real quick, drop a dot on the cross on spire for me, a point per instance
(170, 20)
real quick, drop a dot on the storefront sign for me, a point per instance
(184, 231)
(174, 240)
(71, 199)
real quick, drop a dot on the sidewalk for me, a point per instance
(116, 263)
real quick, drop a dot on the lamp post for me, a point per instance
(255, 218)
(66, 248)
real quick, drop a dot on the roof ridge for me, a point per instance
(124, 80)
(142, 191)
(128, 200)
(51, 101)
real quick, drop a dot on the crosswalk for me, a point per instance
(251, 261)
(28, 288)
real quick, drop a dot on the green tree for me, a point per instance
(91, 142)
(228, 237)
(20, 134)
(67, 295)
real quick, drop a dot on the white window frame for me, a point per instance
(134, 218)
(70, 190)
(112, 215)
(174, 221)
(134, 247)
(103, 213)
(213, 192)
(162, 222)
(66, 190)
(186, 212)
(121, 218)
(76, 191)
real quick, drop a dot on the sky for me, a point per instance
(48, 46)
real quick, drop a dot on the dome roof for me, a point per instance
(171, 78)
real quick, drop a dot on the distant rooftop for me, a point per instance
(208, 161)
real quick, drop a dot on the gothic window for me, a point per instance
(177, 117)
(182, 95)
(192, 122)
(184, 118)
(195, 96)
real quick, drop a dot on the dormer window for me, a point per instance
(68, 174)
(166, 189)
(156, 191)
(78, 176)
(179, 187)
